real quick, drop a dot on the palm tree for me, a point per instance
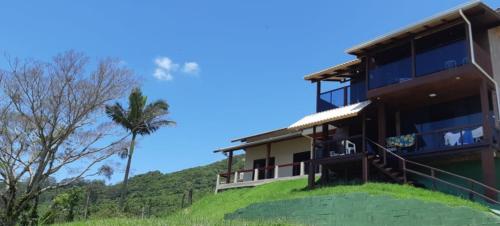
(138, 119)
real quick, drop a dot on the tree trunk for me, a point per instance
(127, 171)
(33, 221)
(86, 209)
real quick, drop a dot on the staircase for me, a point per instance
(401, 170)
(394, 174)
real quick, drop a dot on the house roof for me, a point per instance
(334, 73)
(289, 135)
(329, 116)
(266, 134)
(436, 20)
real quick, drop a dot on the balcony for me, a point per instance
(351, 94)
(453, 138)
(441, 51)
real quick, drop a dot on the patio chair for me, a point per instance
(349, 146)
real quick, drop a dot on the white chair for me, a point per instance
(350, 147)
(477, 134)
(450, 64)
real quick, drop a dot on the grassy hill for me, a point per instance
(154, 193)
(288, 203)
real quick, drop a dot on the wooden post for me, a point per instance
(381, 124)
(382, 128)
(364, 162)
(235, 179)
(190, 196)
(268, 156)
(318, 94)
(256, 174)
(311, 176)
(276, 171)
(302, 169)
(398, 123)
(229, 164)
(182, 201)
(487, 155)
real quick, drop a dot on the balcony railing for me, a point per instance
(438, 140)
(339, 147)
(273, 172)
(341, 97)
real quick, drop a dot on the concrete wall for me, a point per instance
(281, 151)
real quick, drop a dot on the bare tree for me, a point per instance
(51, 120)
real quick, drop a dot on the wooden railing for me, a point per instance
(236, 175)
(429, 172)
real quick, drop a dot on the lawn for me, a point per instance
(211, 209)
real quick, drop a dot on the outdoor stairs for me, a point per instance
(394, 174)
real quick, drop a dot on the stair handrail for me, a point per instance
(433, 177)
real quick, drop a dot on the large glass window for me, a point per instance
(442, 50)
(357, 92)
(444, 125)
(462, 112)
(390, 67)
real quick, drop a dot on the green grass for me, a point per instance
(211, 209)
(215, 206)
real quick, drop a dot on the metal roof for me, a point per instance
(331, 72)
(261, 142)
(270, 132)
(329, 116)
(420, 26)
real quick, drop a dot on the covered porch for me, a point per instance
(301, 150)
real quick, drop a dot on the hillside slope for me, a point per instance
(288, 203)
(152, 193)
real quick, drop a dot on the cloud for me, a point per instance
(166, 68)
(191, 68)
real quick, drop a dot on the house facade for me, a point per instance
(419, 106)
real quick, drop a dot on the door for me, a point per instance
(260, 164)
(301, 157)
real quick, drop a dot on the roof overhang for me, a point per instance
(290, 135)
(436, 20)
(265, 134)
(329, 116)
(334, 73)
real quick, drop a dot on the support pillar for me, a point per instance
(381, 124)
(268, 156)
(364, 163)
(312, 166)
(324, 153)
(487, 155)
(229, 164)
(318, 94)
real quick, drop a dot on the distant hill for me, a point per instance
(152, 193)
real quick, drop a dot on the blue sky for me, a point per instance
(235, 67)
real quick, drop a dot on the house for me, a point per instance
(419, 105)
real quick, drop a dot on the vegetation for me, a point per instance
(211, 209)
(138, 119)
(50, 124)
(150, 195)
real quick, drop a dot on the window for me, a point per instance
(440, 51)
(390, 67)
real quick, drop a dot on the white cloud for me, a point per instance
(191, 68)
(166, 68)
(163, 75)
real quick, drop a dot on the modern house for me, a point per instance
(418, 106)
